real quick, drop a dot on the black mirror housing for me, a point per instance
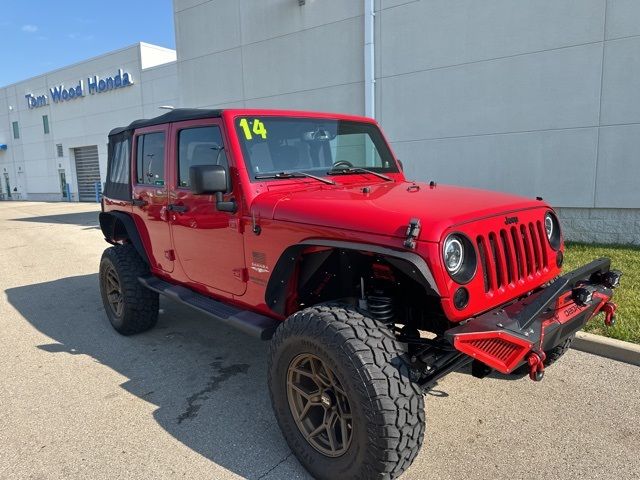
(206, 179)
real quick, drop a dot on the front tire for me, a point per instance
(342, 396)
(130, 307)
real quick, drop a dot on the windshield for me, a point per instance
(311, 145)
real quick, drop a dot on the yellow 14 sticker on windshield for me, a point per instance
(253, 127)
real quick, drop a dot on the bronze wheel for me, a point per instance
(319, 405)
(130, 307)
(342, 394)
(113, 291)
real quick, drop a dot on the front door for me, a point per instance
(63, 183)
(150, 194)
(208, 243)
(6, 182)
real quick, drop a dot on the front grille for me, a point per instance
(513, 254)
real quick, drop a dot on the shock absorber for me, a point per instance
(381, 307)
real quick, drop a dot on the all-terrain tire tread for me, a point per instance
(395, 408)
(141, 304)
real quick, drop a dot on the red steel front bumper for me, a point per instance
(521, 332)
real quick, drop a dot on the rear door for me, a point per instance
(208, 243)
(150, 194)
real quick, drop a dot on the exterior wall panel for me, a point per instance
(423, 35)
(618, 182)
(288, 64)
(543, 91)
(211, 79)
(275, 53)
(547, 164)
(621, 81)
(622, 18)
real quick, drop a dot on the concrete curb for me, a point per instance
(607, 347)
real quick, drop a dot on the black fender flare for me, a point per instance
(111, 222)
(409, 263)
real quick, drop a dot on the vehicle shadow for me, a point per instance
(207, 380)
(83, 219)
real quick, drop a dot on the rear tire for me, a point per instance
(361, 381)
(130, 307)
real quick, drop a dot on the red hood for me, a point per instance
(388, 207)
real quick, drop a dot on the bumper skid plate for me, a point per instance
(520, 332)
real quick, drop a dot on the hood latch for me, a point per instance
(413, 230)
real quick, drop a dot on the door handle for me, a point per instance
(138, 202)
(172, 207)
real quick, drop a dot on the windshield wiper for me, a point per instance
(349, 170)
(293, 175)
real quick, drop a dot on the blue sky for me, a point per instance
(41, 35)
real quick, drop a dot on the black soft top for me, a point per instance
(175, 115)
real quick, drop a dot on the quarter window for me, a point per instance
(150, 159)
(119, 172)
(199, 146)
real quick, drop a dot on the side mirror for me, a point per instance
(207, 179)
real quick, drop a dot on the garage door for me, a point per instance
(87, 172)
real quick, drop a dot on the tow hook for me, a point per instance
(609, 310)
(536, 365)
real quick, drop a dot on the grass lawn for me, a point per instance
(627, 296)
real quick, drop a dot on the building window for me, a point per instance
(45, 123)
(16, 130)
(150, 159)
(59, 149)
(199, 146)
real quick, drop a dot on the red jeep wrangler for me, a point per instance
(301, 228)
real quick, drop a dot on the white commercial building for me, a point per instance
(538, 98)
(53, 128)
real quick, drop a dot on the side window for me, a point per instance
(150, 159)
(199, 146)
(119, 168)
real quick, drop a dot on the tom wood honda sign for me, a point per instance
(95, 85)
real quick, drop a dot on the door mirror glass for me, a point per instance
(208, 179)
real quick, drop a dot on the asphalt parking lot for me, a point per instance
(189, 399)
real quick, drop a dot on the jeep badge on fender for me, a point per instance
(301, 228)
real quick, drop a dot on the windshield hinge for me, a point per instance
(413, 230)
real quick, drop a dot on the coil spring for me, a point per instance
(381, 308)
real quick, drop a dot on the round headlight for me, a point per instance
(453, 254)
(548, 225)
(459, 257)
(552, 229)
